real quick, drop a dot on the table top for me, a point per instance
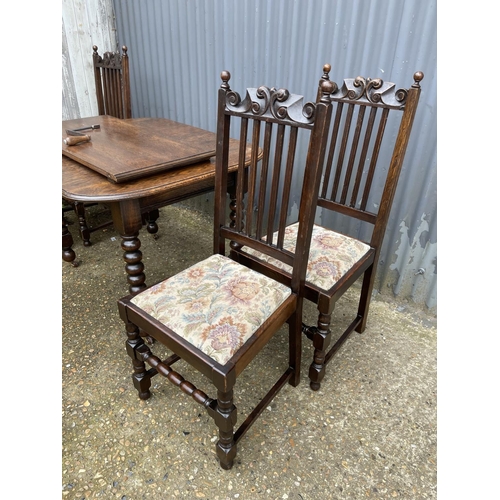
(128, 149)
(80, 183)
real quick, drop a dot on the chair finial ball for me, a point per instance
(418, 76)
(124, 48)
(327, 68)
(327, 87)
(95, 48)
(225, 76)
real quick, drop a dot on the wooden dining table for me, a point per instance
(93, 173)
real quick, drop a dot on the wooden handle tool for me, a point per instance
(76, 139)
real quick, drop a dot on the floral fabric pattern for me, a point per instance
(216, 304)
(331, 255)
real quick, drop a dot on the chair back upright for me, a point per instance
(270, 121)
(359, 116)
(112, 82)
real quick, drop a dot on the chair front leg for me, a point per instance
(140, 377)
(225, 419)
(321, 337)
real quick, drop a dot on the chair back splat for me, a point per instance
(219, 314)
(360, 114)
(270, 120)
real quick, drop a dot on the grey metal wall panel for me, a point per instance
(178, 48)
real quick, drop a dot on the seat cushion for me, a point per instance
(331, 256)
(216, 305)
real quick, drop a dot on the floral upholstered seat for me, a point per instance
(331, 256)
(216, 305)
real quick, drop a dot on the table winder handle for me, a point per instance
(74, 140)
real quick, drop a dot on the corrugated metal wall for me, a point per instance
(178, 48)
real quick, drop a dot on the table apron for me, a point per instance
(152, 202)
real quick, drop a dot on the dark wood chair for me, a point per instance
(218, 314)
(112, 83)
(360, 113)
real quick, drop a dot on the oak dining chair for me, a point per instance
(218, 315)
(361, 108)
(112, 83)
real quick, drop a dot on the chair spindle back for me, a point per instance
(360, 115)
(270, 121)
(112, 81)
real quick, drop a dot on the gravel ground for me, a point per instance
(369, 432)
